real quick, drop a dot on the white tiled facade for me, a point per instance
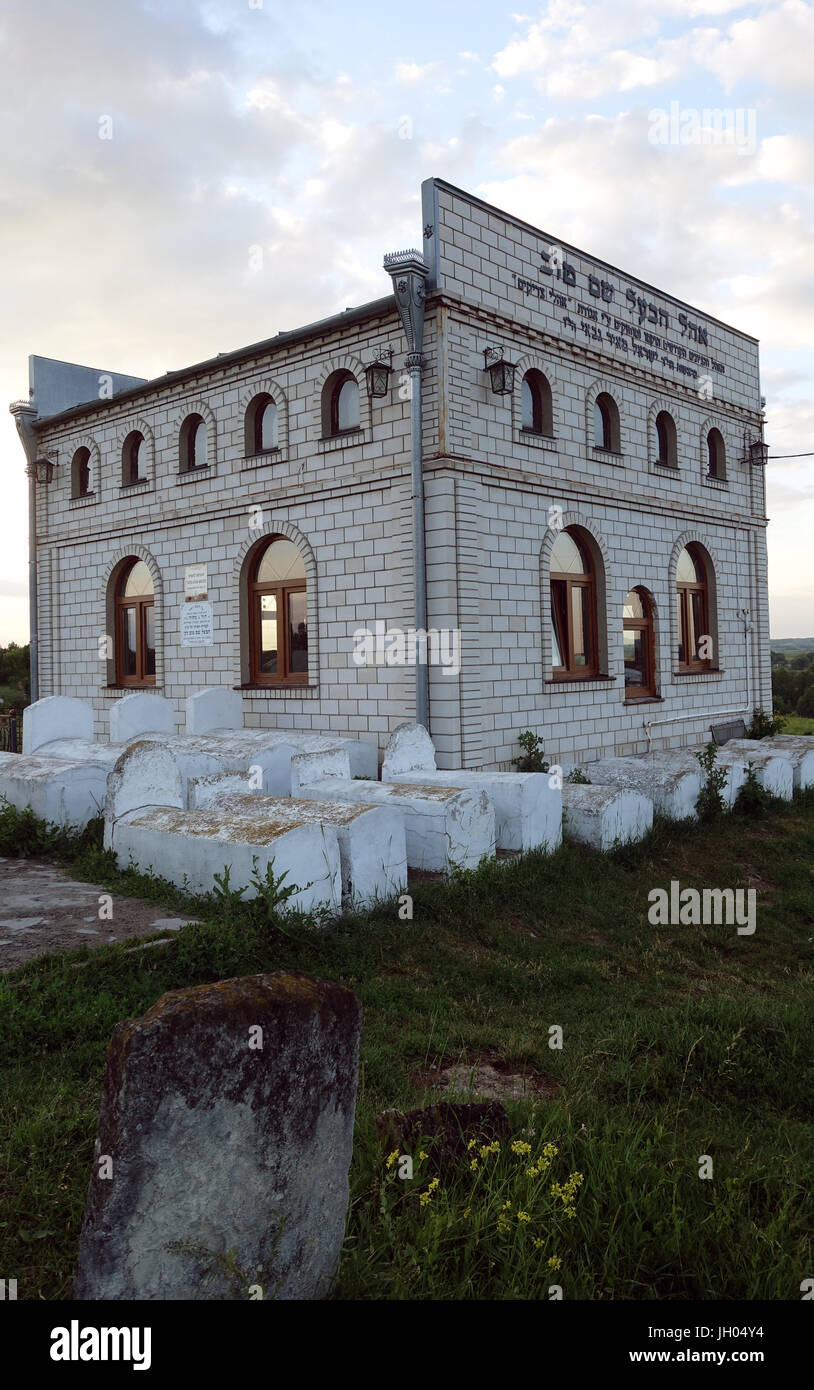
(489, 489)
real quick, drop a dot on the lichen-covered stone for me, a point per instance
(229, 1161)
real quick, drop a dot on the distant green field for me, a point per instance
(796, 724)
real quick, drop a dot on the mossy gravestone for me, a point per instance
(221, 1163)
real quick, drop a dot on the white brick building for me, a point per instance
(504, 475)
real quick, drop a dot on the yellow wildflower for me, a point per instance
(391, 1158)
(523, 1216)
(473, 1167)
(521, 1148)
(554, 1263)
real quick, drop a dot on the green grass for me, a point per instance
(678, 1042)
(797, 724)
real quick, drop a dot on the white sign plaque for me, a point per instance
(196, 625)
(196, 583)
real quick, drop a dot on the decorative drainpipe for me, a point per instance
(24, 416)
(408, 271)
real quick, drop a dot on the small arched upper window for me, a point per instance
(573, 607)
(667, 440)
(135, 624)
(193, 444)
(716, 455)
(261, 425)
(692, 617)
(535, 404)
(639, 645)
(340, 404)
(606, 424)
(132, 456)
(80, 473)
(278, 614)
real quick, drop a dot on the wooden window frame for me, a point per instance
(716, 453)
(685, 591)
(666, 434)
(142, 679)
(187, 443)
(336, 391)
(282, 593)
(81, 471)
(128, 460)
(542, 412)
(647, 626)
(569, 672)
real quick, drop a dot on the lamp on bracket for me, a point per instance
(378, 373)
(500, 371)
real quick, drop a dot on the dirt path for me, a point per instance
(42, 909)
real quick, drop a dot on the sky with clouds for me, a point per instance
(304, 129)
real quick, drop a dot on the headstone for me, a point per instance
(216, 707)
(410, 749)
(140, 712)
(53, 717)
(146, 775)
(226, 1125)
(604, 817)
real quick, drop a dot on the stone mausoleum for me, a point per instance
(553, 467)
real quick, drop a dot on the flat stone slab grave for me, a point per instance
(446, 827)
(372, 840)
(773, 771)
(682, 760)
(220, 1169)
(796, 749)
(190, 847)
(528, 812)
(673, 791)
(42, 910)
(603, 817)
(59, 790)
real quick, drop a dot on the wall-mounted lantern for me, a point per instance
(758, 453)
(500, 371)
(41, 469)
(378, 373)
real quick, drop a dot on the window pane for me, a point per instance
(687, 572)
(599, 427)
(567, 557)
(267, 627)
(280, 563)
(348, 406)
(558, 623)
(580, 621)
(635, 668)
(127, 654)
(298, 630)
(634, 607)
(682, 646)
(697, 622)
(149, 640)
(690, 637)
(268, 426)
(527, 405)
(199, 446)
(138, 583)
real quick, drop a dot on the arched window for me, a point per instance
(132, 453)
(716, 455)
(278, 615)
(340, 404)
(639, 645)
(261, 425)
(692, 611)
(135, 624)
(80, 473)
(536, 414)
(574, 649)
(667, 441)
(606, 424)
(193, 444)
